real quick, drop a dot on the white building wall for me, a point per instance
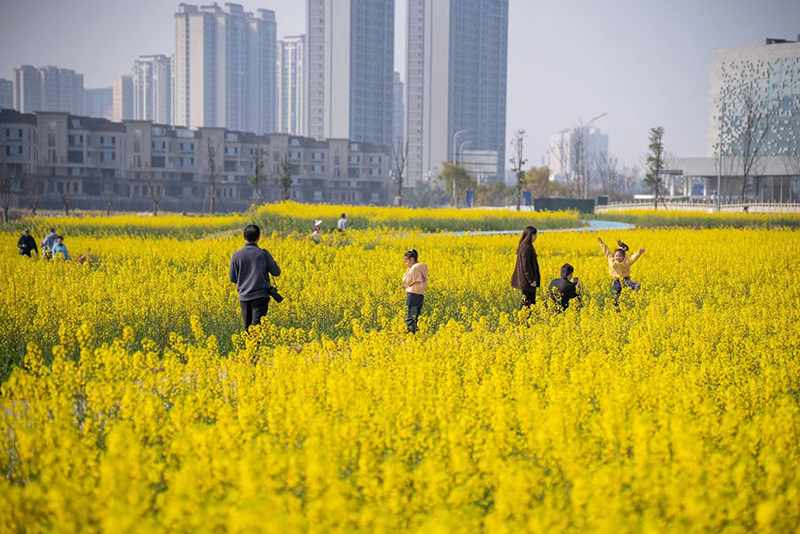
(152, 89)
(314, 68)
(261, 83)
(336, 103)
(290, 83)
(436, 87)
(122, 89)
(398, 126)
(27, 85)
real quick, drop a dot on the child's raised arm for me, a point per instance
(604, 247)
(637, 255)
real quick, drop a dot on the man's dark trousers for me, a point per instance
(253, 311)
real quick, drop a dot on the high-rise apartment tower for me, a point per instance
(456, 73)
(225, 68)
(47, 89)
(152, 89)
(350, 69)
(291, 85)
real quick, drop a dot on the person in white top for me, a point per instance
(415, 282)
(342, 224)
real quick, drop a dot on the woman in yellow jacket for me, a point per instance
(619, 267)
(415, 282)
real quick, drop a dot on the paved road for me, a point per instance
(591, 226)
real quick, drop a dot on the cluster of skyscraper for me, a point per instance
(336, 81)
(51, 88)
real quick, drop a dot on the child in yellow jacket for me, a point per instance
(619, 267)
(415, 282)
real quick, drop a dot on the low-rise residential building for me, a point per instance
(89, 162)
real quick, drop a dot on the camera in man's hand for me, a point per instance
(273, 292)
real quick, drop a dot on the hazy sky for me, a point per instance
(645, 62)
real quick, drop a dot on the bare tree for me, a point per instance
(285, 178)
(259, 173)
(65, 193)
(518, 162)
(562, 157)
(577, 155)
(608, 169)
(154, 191)
(109, 203)
(212, 157)
(750, 126)
(35, 188)
(630, 179)
(399, 162)
(9, 175)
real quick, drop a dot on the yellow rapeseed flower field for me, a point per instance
(135, 402)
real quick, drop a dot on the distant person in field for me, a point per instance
(565, 288)
(526, 275)
(619, 267)
(415, 282)
(26, 243)
(60, 248)
(315, 237)
(342, 224)
(250, 270)
(48, 243)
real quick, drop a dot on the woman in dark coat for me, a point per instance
(526, 275)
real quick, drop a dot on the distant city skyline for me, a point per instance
(645, 65)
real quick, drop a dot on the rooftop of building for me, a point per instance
(12, 116)
(771, 42)
(80, 122)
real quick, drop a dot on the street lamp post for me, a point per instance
(455, 137)
(586, 156)
(460, 160)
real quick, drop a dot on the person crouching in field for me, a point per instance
(564, 289)
(250, 270)
(526, 275)
(415, 282)
(619, 267)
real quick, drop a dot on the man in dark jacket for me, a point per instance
(564, 289)
(27, 243)
(250, 270)
(526, 275)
